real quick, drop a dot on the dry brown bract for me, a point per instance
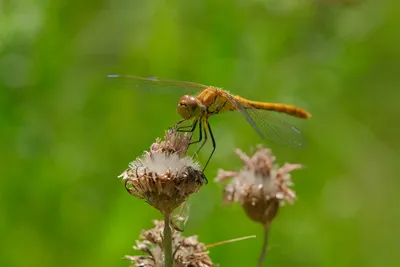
(260, 186)
(164, 177)
(189, 251)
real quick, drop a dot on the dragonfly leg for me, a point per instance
(202, 129)
(200, 134)
(213, 143)
(177, 127)
(193, 127)
(182, 128)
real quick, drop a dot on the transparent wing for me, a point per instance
(180, 216)
(269, 126)
(155, 85)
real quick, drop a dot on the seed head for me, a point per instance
(260, 186)
(188, 251)
(164, 177)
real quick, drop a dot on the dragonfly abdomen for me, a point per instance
(282, 108)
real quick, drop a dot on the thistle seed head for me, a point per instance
(261, 186)
(164, 177)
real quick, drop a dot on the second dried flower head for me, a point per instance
(260, 187)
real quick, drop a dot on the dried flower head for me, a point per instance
(260, 186)
(188, 251)
(164, 177)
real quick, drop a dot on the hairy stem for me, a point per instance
(261, 259)
(167, 242)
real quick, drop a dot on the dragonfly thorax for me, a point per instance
(189, 107)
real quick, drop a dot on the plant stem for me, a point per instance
(167, 242)
(261, 259)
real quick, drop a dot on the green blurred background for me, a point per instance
(67, 132)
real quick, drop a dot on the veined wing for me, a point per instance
(269, 126)
(158, 85)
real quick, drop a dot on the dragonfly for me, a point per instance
(212, 100)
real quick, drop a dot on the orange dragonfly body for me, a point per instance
(219, 101)
(212, 100)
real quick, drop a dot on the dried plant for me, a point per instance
(188, 250)
(164, 177)
(260, 187)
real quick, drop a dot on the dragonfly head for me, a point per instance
(189, 107)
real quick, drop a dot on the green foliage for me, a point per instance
(67, 132)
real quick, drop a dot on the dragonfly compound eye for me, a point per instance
(188, 106)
